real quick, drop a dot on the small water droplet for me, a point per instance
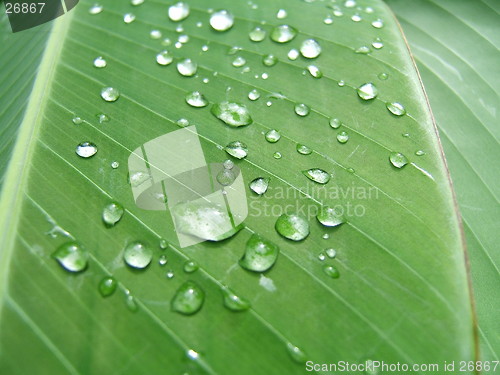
(294, 227)
(138, 178)
(259, 185)
(196, 99)
(331, 271)
(310, 48)
(341, 83)
(115, 164)
(367, 91)
(260, 254)
(233, 114)
(406, 135)
(110, 94)
(86, 149)
(317, 175)
(273, 136)
(269, 103)
(166, 42)
(183, 39)
(369, 10)
(162, 260)
(204, 48)
(296, 353)
(269, 60)
(397, 109)
(342, 137)
(233, 302)
(163, 244)
(102, 118)
(321, 256)
(112, 213)
(283, 33)
(330, 217)
(187, 67)
(325, 236)
(170, 274)
(178, 11)
(128, 17)
(378, 24)
(363, 50)
(182, 122)
(277, 155)
(237, 149)
(239, 62)
(281, 14)
(331, 253)
(350, 170)
(164, 58)
(96, 9)
(107, 286)
(301, 109)
(221, 20)
(314, 71)
(257, 35)
(398, 159)
(383, 76)
(419, 153)
(335, 123)
(77, 120)
(190, 266)
(137, 255)
(253, 95)
(131, 302)
(188, 300)
(350, 3)
(136, 2)
(293, 54)
(100, 62)
(356, 17)
(328, 20)
(377, 43)
(72, 256)
(338, 13)
(226, 177)
(303, 149)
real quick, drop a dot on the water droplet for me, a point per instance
(317, 175)
(296, 353)
(204, 48)
(325, 236)
(138, 178)
(377, 43)
(164, 58)
(253, 95)
(86, 149)
(314, 71)
(356, 17)
(226, 177)
(221, 20)
(192, 354)
(378, 24)
(77, 120)
(293, 54)
(107, 286)
(178, 11)
(328, 20)
(338, 13)
(166, 42)
(269, 60)
(321, 256)
(102, 118)
(257, 35)
(233, 302)
(196, 99)
(112, 213)
(335, 123)
(350, 3)
(137, 255)
(115, 164)
(396, 109)
(283, 34)
(239, 62)
(331, 271)
(96, 9)
(170, 274)
(331, 253)
(162, 260)
(259, 185)
(269, 103)
(130, 302)
(310, 48)
(136, 2)
(281, 14)
(398, 159)
(419, 153)
(188, 299)
(100, 62)
(110, 94)
(163, 244)
(190, 266)
(72, 256)
(342, 137)
(294, 227)
(273, 136)
(237, 149)
(367, 91)
(233, 114)
(182, 122)
(303, 149)
(228, 164)
(301, 109)
(277, 155)
(383, 76)
(330, 217)
(406, 135)
(260, 254)
(341, 83)
(128, 17)
(187, 67)
(363, 50)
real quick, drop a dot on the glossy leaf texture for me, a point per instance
(455, 44)
(396, 289)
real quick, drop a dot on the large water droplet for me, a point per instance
(72, 256)
(164, 58)
(396, 109)
(233, 114)
(296, 353)
(187, 67)
(273, 136)
(257, 34)
(330, 217)
(110, 94)
(107, 286)
(317, 175)
(310, 48)
(221, 20)
(367, 91)
(188, 299)
(196, 99)
(294, 227)
(398, 159)
(237, 149)
(314, 71)
(112, 213)
(86, 149)
(100, 62)
(303, 149)
(178, 12)
(331, 271)
(253, 95)
(301, 109)
(260, 254)
(259, 185)
(283, 33)
(342, 137)
(233, 302)
(269, 60)
(137, 255)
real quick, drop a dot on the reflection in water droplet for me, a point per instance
(112, 213)
(396, 109)
(296, 353)
(233, 302)
(317, 175)
(221, 20)
(259, 185)
(269, 60)
(100, 62)
(273, 136)
(260, 254)
(367, 91)
(301, 109)
(310, 48)
(188, 299)
(107, 286)
(257, 34)
(137, 255)
(72, 256)
(233, 114)
(398, 159)
(283, 33)
(187, 67)
(342, 137)
(294, 227)
(330, 217)
(196, 99)
(110, 94)
(331, 271)
(237, 149)
(86, 149)
(178, 11)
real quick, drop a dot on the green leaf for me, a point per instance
(397, 289)
(456, 48)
